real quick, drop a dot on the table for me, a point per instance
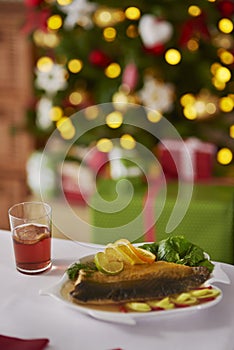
(26, 314)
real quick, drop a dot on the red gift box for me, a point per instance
(188, 160)
(77, 182)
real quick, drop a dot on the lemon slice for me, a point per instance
(137, 255)
(104, 265)
(145, 255)
(126, 249)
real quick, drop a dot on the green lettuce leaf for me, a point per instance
(179, 250)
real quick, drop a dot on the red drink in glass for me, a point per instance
(32, 246)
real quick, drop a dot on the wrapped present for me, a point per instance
(79, 174)
(208, 221)
(117, 211)
(188, 160)
(78, 182)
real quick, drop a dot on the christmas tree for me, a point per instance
(174, 57)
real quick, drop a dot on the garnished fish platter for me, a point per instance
(124, 282)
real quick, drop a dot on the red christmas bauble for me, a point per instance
(32, 3)
(99, 58)
(226, 7)
(156, 50)
(192, 27)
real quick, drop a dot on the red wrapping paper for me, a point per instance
(175, 164)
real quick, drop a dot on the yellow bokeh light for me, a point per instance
(190, 112)
(56, 113)
(113, 70)
(114, 120)
(214, 67)
(64, 2)
(54, 22)
(231, 132)
(68, 133)
(104, 16)
(75, 65)
(218, 84)
(210, 108)
(200, 107)
(154, 116)
(120, 97)
(226, 57)
(194, 10)
(66, 128)
(91, 112)
(44, 64)
(38, 37)
(75, 98)
(192, 45)
(172, 56)
(223, 74)
(187, 99)
(132, 13)
(63, 124)
(104, 145)
(224, 156)
(109, 33)
(51, 40)
(223, 40)
(225, 25)
(127, 142)
(226, 104)
(132, 31)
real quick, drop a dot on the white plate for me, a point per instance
(132, 317)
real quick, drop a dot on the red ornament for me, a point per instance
(156, 50)
(226, 8)
(33, 3)
(36, 20)
(99, 58)
(192, 27)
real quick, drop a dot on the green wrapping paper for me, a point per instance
(208, 222)
(116, 221)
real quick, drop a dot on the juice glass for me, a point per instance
(30, 224)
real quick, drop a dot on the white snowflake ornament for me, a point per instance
(52, 80)
(79, 12)
(157, 95)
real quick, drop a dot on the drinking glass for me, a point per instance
(30, 224)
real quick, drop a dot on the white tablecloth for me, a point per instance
(26, 314)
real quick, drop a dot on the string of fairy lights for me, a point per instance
(200, 106)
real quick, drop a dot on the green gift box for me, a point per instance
(208, 222)
(116, 210)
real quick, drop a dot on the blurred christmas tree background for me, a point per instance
(175, 57)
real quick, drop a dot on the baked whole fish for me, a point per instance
(138, 283)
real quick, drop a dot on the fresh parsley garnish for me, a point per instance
(73, 270)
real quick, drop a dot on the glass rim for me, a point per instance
(46, 205)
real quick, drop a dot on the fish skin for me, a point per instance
(138, 283)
